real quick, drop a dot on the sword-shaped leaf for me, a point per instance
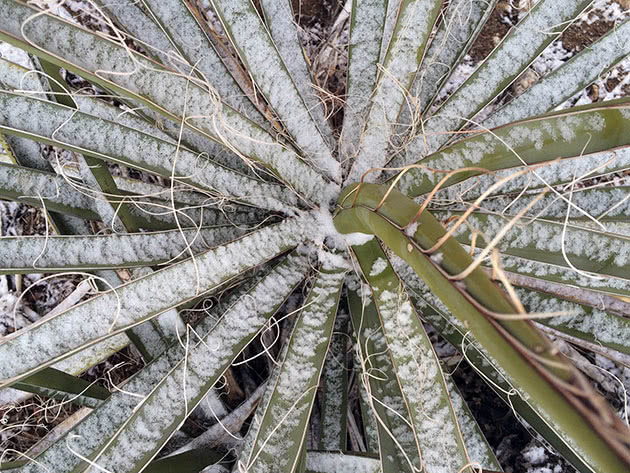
(280, 434)
(177, 97)
(50, 340)
(543, 24)
(65, 253)
(437, 434)
(404, 54)
(585, 130)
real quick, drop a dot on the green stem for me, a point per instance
(548, 382)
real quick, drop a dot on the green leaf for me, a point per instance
(179, 379)
(334, 393)
(568, 79)
(56, 384)
(589, 250)
(329, 462)
(458, 29)
(63, 253)
(396, 441)
(404, 54)
(262, 59)
(192, 461)
(118, 69)
(34, 187)
(364, 47)
(582, 131)
(278, 437)
(416, 366)
(507, 61)
(479, 304)
(102, 139)
(48, 341)
(448, 326)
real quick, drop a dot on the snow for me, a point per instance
(257, 51)
(15, 55)
(364, 47)
(322, 462)
(378, 267)
(133, 303)
(118, 143)
(278, 440)
(177, 94)
(399, 67)
(508, 60)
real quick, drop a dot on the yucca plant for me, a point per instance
(484, 222)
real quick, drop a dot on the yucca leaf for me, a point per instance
(198, 55)
(192, 461)
(48, 341)
(192, 377)
(606, 204)
(568, 79)
(106, 140)
(63, 253)
(582, 131)
(396, 442)
(145, 81)
(364, 48)
(22, 79)
(334, 393)
(399, 67)
(417, 369)
(479, 303)
(33, 186)
(459, 27)
(279, 435)
(553, 173)
(476, 443)
(209, 357)
(448, 326)
(279, 19)
(329, 462)
(56, 384)
(586, 249)
(267, 67)
(587, 323)
(507, 61)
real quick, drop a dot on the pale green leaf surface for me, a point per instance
(107, 140)
(281, 434)
(263, 61)
(115, 67)
(50, 340)
(568, 79)
(278, 15)
(395, 439)
(438, 434)
(544, 23)
(584, 130)
(404, 54)
(329, 462)
(366, 36)
(188, 381)
(334, 394)
(57, 253)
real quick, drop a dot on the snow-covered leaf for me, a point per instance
(543, 24)
(277, 437)
(134, 423)
(49, 340)
(64, 253)
(435, 427)
(584, 130)
(399, 67)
